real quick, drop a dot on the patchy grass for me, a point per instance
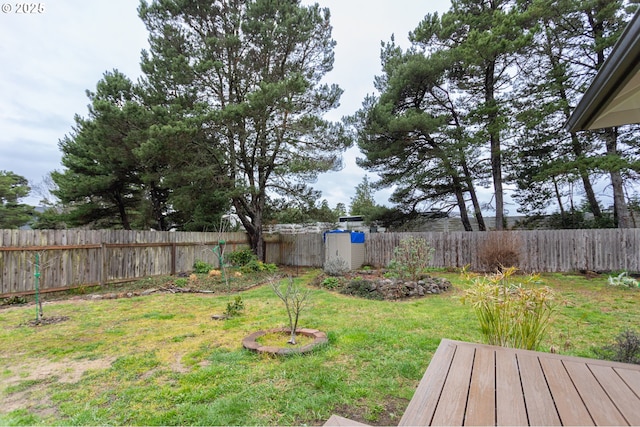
(161, 359)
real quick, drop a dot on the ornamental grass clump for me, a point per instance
(511, 314)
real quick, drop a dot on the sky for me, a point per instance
(49, 59)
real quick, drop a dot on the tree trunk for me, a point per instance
(576, 147)
(477, 211)
(558, 197)
(124, 218)
(464, 216)
(494, 138)
(621, 209)
(594, 206)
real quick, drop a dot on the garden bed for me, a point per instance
(263, 341)
(375, 284)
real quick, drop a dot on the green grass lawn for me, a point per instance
(161, 359)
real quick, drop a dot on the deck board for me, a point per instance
(602, 409)
(537, 396)
(481, 406)
(425, 400)
(510, 407)
(453, 400)
(618, 392)
(569, 404)
(631, 378)
(476, 384)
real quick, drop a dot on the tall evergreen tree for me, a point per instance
(255, 67)
(13, 187)
(549, 160)
(571, 46)
(101, 181)
(414, 134)
(485, 38)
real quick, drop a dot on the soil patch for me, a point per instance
(387, 415)
(47, 321)
(65, 371)
(31, 378)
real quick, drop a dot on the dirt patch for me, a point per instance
(32, 377)
(388, 414)
(178, 366)
(47, 321)
(66, 371)
(33, 400)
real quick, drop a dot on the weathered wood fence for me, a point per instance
(72, 258)
(539, 250)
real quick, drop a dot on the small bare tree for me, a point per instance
(295, 298)
(39, 265)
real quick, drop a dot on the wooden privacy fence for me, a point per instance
(538, 250)
(72, 258)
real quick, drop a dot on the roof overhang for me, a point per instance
(613, 99)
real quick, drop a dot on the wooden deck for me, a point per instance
(476, 384)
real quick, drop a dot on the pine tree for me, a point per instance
(13, 187)
(101, 183)
(255, 68)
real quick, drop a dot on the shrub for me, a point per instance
(234, 308)
(202, 267)
(16, 299)
(336, 267)
(510, 314)
(500, 250)
(625, 349)
(331, 283)
(255, 266)
(241, 257)
(410, 258)
(180, 282)
(623, 279)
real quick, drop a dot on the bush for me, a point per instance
(410, 258)
(241, 257)
(202, 267)
(626, 348)
(510, 314)
(336, 267)
(255, 266)
(181, 282)
(331, 283)
(234, 308)
(500, 250)
(16, 299)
